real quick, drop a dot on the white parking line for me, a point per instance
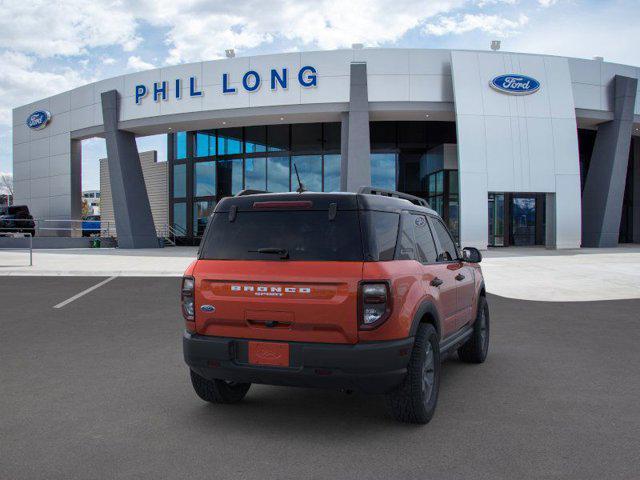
(82, 293)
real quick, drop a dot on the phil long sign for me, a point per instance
(251, 81)
(515, 84)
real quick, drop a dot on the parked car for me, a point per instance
(91, 225)
(17, 219)
(363, 291)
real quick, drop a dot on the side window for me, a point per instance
(406, 248)
(448, 248)
(424, 241)
(383, 234)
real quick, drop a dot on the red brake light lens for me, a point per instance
(283, 204)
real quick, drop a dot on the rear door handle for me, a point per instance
(460, 277)
(436, 282)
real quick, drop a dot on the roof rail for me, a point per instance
(242, 193)
(393, 193)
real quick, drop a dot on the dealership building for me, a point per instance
(511, 149)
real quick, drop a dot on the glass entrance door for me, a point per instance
(523, 220)
(496, 220)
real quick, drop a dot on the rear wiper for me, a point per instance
(283, 252)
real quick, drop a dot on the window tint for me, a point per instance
(204, 179)
(382, 228)
(406, 248)
(278, 174)
(306, 235)
(255, 173)
(180, 180)
(448, 251)
(310, 171)
(383, 170)
(331, 173)
(424, 241)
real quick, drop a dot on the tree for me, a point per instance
(6, 187)
(86, 209)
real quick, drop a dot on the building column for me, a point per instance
(604, 187)
(131, 208)
(356, 148)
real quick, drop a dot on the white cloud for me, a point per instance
(109, 60)
(547, 3)
(46, 29)
(325, 24)
(136, 63)
(17, 85)
(492, 24)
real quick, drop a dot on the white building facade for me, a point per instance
(512, 149)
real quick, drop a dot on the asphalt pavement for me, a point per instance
(97, 389)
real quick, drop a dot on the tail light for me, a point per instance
(375, 304)
(187, 298)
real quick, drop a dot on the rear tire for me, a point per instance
(414, 401)
(218, 391)
(475, 350)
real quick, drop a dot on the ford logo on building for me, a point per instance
(38, 119)
(515, 84)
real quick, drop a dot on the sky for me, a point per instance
(50, 47)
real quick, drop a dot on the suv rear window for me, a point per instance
(305, 235)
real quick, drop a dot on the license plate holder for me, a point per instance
(269, 354)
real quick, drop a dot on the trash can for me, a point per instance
(95, 243)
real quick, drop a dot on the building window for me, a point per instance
(310, 171)
(278, 174)
(230, 141)
(204, 179)
(205, 144)
(229, 177)
(255, 173)
(220, 163)
(384, 170)
(255, 139)
(181, 145)
(180, 180)
(180, 217)
(202, 209)
(278, 138)
(332, 173)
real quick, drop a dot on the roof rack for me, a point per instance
(242, 193)
(392, 193)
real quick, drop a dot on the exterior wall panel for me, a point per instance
(156, 181)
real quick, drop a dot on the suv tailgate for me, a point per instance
(278, 300)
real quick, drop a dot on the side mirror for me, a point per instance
(471, 255)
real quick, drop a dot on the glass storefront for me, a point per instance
(206, 166)
(410, 157)
(516, 219)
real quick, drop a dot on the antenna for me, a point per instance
(300, 188)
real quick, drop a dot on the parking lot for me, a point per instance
(97, 389)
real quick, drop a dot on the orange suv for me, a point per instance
(358, 291)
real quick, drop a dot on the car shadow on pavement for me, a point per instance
(306, 412)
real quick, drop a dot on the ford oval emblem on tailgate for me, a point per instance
(208, 308)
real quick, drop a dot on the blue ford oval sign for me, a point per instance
(515, 84)
(38, 119)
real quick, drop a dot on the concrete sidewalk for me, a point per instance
(99, 262)
(585, 274)
(521, 273)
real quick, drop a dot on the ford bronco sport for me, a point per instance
(358, 291)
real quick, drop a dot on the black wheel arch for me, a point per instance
(426, 313)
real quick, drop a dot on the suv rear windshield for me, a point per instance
(302, 234)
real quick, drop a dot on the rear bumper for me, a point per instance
(375, 367)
